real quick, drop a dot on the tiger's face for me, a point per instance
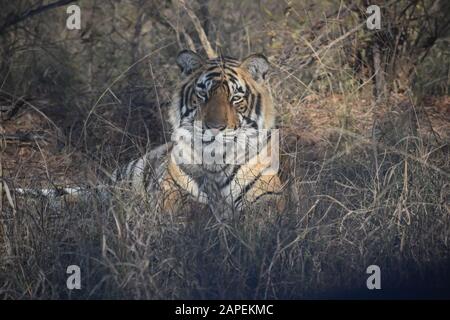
(221, 100)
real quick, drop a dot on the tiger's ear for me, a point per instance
(189, 61)
(257, 65)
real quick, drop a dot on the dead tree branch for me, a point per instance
(201, 32)
(15, 19)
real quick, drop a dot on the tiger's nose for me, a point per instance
(215, 126)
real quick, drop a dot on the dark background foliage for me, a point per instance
(364, 118)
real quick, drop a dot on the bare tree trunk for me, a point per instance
(380, 83)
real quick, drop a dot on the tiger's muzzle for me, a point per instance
(217, 113)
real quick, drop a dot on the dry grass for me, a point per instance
(366, 204)
(368, 182)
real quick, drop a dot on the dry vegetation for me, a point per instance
(365, 154)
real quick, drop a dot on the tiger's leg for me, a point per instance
(176, 186)
(170, 195)
(267, 194)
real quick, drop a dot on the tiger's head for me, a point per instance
(221, 99)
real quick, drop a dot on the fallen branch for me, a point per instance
(23, 137)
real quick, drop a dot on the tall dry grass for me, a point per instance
(369, 205)
(367, 181)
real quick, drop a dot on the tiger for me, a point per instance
(220, 100)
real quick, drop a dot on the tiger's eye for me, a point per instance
(201, 95)
(236, 99)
